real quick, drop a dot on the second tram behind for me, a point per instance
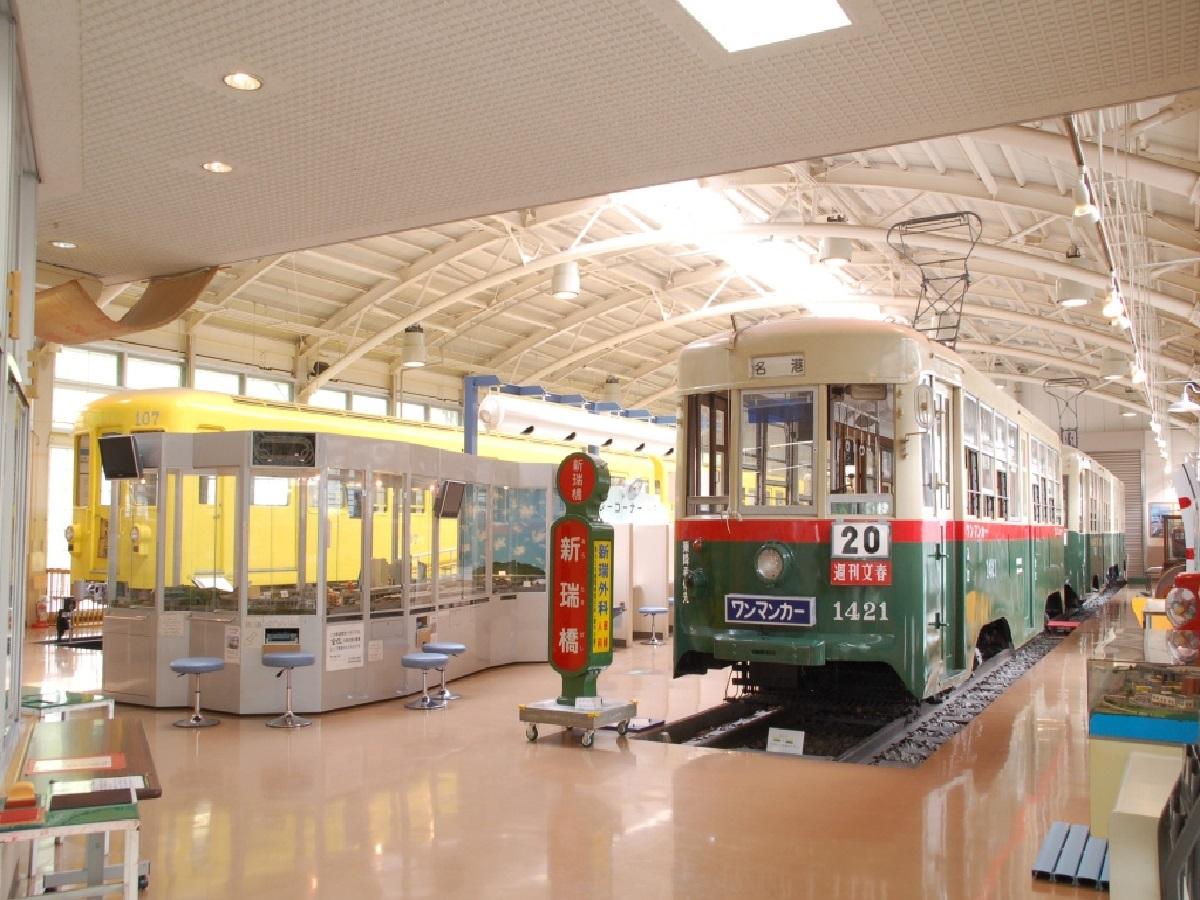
(852, 493)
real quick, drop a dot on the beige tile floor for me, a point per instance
(382, 801)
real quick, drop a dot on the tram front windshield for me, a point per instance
(779, 433)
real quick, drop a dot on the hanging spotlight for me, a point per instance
(836, 251)
(1114, 306)
(412, 347)
(565, 283)
(1069, 292)
(1072, 293)
(1112, 364)
(1085, 208)
(1155, 427)
(1137, 373)
(1185, 404)
(1123, 322)
(612, 389)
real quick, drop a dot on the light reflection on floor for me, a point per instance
(381, 801)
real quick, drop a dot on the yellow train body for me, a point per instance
(206, 520)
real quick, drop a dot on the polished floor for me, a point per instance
(382, 801)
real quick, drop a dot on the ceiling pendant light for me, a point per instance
(565, 283)
(1068, 292)
(412, 347)
(1185, 404)
(1114, 306)
(1123, 322)
(1112, 364)
(1085, 208)
(1137, 373)
(1072, 293)
(1155, 427)
(612, 390)
(836, 251)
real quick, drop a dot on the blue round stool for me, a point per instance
(450, 648)
(196, 666)
(425, 662)
(285, 662)
(653, 612)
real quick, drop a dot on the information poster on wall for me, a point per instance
(374, 651)
(233, 643)
(343, 646)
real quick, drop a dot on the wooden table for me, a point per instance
(85, 749)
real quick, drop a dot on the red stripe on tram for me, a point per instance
(818, 531)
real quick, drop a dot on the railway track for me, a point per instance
(863, 724)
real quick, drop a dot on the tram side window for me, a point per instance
(708, 452)
(1001, 450)
(777, 448)
(82, 469)
(1053, 480)
(971, 440)
(1014, 477)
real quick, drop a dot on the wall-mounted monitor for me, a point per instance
(119, 457)
(449, 499)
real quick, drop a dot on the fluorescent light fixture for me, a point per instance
(754, 23)
(1072, 293)
(412, 347)
(243, 81)
(217, 167)
(565, 283)
(1128, 413)
(64, 245)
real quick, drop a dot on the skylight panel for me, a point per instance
(745, 24)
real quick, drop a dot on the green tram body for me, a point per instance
(961, 580)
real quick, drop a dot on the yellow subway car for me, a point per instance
(274, 502)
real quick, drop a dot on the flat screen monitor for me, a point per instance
(119, 457)
(449, 499)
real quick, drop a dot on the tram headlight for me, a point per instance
(69, 534)
(1181, 606)
(770, 563)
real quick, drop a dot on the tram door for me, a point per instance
(937, 460)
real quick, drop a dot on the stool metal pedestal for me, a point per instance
(425, 662)
(286, 663)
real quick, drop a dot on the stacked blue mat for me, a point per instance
(1071, 854)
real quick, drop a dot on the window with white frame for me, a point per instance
(151, 373)
(328, 399)
(86, 366)
(220, 382)
(268, 389)
(369, 403)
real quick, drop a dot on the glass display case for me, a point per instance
(353, 549)
(1138, 691)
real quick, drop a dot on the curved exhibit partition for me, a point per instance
(236, 544)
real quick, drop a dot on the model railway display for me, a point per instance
(856, 497)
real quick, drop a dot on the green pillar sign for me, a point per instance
(581, 579)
